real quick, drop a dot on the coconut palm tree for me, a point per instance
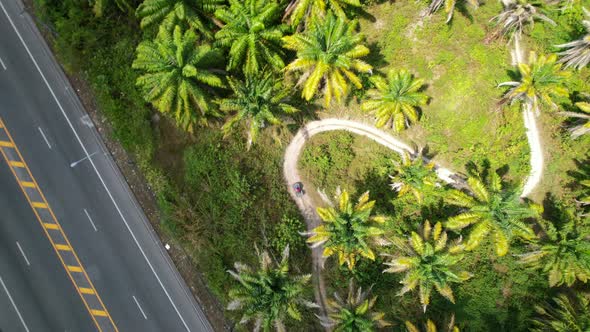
(98, 6)
(577, 53)
(259, 100)
(490, 210)
(541, 80)
(563, 314)
(252, 34)
(348, 230)
(353, 313)
(308, 10)
(395, 99)
(328, 55)
(195, 14)
(269, 294)
(583, 126)
(413, 176)
(178, 75)
(449, 6)
(563, 253)
(428, 263)
(430, 326)
(518, 14)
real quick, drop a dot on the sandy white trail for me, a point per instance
(307, 207)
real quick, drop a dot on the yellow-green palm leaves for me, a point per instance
(541, 80)
(178, 76)
(563, 314)
(269, 294)
(428, 263)
(353, 313)
(308, 10)
(430, 326)
(348, 230)
(564, 251)
(395, 99)
(413, 177)
(449, 6)
(328, 55)
(259, 100)
(490, 210)
(252, 34)
(168, 13)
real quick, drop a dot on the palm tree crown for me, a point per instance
(517, 14)
(582, 126)
(490, 210)
(178, 76)
(347, 229)
(258, 100)
(541, 80)
(449, 6)
(564, 253)
(394, 100)
(269, 294)
(430, 326)
(309, 10)
(327, 55)
(252, 34)
(353, 313)
(577, 53)
(412, 176)
(428, 263)
(563, 314)
(169, 13)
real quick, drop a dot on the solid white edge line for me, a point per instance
(95, 169)
(14, 305)
(44, 137)
(2, 63)
(91, 222)
(23, 253)
(140, 309)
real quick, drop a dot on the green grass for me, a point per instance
(462, 120)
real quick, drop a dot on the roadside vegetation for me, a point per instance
(206, 94)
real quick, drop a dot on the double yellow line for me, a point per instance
(54, 232)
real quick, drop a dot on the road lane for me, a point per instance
(42, 292)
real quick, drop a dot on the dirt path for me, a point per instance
(307, 208)
(305, 204)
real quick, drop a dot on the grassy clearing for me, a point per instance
(462, 121)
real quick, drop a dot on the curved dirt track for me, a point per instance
(307, 207)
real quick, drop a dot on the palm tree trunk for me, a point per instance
(536, 152)
(517, 53)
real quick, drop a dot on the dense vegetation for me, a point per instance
(233, 79)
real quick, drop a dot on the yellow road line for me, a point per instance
(49, 225)
(89, 290)
(17, 164)
(63, 247)
(99, 313)
(39, 205)
(74, 268)
(85, 290)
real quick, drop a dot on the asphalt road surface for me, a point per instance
(76, 251)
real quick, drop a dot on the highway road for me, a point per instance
(76, 251)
